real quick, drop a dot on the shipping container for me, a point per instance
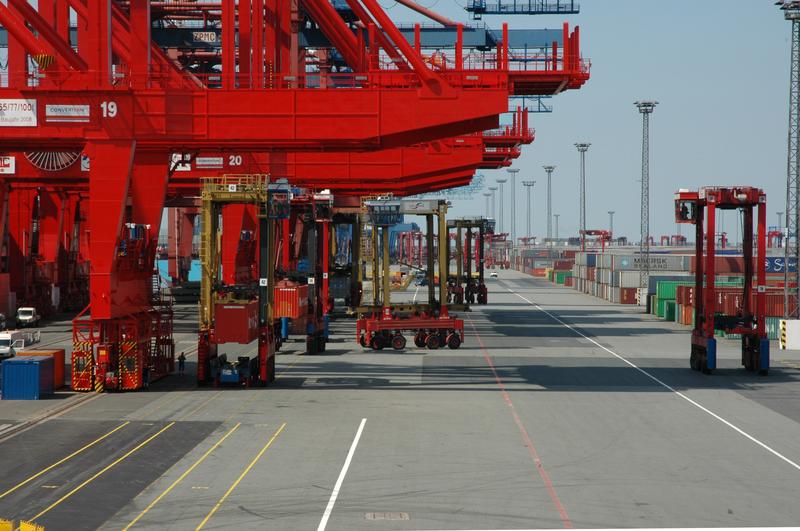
(561, 276)
(236, 322)
(669, 310)
(627, 295)
(58, 363)
(291, 299)
(658, 262)
(27, 377)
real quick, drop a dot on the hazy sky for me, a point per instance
(720, 70)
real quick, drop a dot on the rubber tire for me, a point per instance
(398, 342)
(363, 340)
(378, 342)
(454, 341)
(433, 341)
(419, 339)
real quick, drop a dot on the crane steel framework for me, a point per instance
(791, 248)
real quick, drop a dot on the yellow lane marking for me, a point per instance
(241, 477)
(181, 478)
(61, 461)
(103, 471)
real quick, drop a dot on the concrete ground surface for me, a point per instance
(559, 410)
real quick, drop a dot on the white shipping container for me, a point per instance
(615, 295)
(658, 262)
(627, 279)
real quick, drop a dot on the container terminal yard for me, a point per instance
(307, 264)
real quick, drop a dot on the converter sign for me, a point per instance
(17, 113)
(7, 165)
(66, 113)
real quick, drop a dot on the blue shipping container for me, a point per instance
(27, 377)
(591, 260)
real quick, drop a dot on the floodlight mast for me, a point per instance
(501, 181)
(646, 108)
(549, 170)
(583, 147)
(528, 188)
(513, 172)
(791, 294)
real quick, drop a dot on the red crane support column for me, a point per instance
(761, 295)
(326, 251)
(52, 210)
(97, 49)
(20, 229)
(710, 301)
(245, 41)
(228, 44)
(140, 43)
(109, 180)
(258, 44)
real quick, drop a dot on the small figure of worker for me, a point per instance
(181, 363)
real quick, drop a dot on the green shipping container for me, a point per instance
(669, 310)
(661, 307)
(668, 289)
(561, 276)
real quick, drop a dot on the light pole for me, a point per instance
(549, 170)
(583, 147)
(611, 222)
(487, 195)
(501, 181)
(646, 109)
(791, 249)
(556, 216)
(493, 189)
(513, 172)
(780, 220)
(528, 187)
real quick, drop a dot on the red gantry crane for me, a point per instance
(95, 129)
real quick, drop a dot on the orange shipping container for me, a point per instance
(291, 299)
(58, 363)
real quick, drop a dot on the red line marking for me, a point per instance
(562, 512)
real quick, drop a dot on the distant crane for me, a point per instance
(478, 8)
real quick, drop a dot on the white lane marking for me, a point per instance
(667, 386)
(415, 294)
(5, 427)
(335, 494)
